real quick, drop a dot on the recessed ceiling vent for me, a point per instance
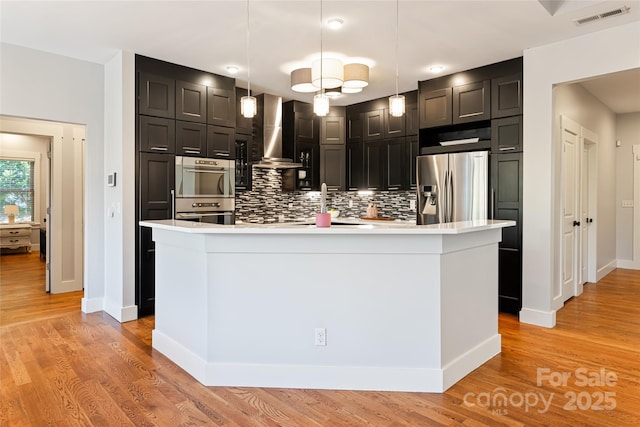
(615, 12)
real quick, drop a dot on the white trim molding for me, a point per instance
(606, 269)
(546, 319)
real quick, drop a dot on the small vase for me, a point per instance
(323, 219)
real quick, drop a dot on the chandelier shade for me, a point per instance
(356, 75)
(331, 75)
(301, 80)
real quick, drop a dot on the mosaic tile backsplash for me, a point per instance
(267, 202)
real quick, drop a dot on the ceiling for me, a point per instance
(209, 35)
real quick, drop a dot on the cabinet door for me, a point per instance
(332, 130)
(395, 164)
(394, 126)
(157, 134)
(412, 150)
(472, 102)
(157, 179)
(506, 96)
(435, 108)
(332, 167)
(146, 286)
(374, 165)
(355, 166)
(506, 203)
(412, 125)
(506, 135)
(304, 128)
(355, 127)
(191, 102)
(191, 139)
(156, 96)
(221, 142)
(221, 107)
(308, 176)
(374, 125)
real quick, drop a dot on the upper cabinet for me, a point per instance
(299, 124)
(156, 96)
(472, 102)
(435, 108)
(332, 130)
(221, 107)
(157, 134)
(374, 125)
(506, 96)
(191, 102)
(412, 123)
(355, 125)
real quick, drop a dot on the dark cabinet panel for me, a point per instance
(156, 96)
(191, 102)
(146, 289)
(355, 166)
(221, 142)
(412, 124)
(332, 167)
(506, 96)
(304, 129)
(506, 135)
(435, 108)
(332, 130)
(308, 176)
(157, 134)
(221, 107)
(472, 102)
(374, 125)
(394, 126)
(355, 127)
(374, 165)
(157, 179)
(191, 139)
(412, 151)
(243, 147)
(395, 164)
(506, 203)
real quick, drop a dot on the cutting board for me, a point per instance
(378, 218)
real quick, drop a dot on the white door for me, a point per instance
(570, 208)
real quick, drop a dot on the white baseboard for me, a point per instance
(603, 271)
(628, 263)
(531, 316)
(92, 305)
(325, 377)
(121, 314)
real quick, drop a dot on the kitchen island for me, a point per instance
(398, 307)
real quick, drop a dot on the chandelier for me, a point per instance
(330, 73)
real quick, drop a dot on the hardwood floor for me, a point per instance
(64, 368)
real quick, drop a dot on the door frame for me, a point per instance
(589, 141)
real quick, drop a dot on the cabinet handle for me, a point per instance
(507, 148)
(14, 241)
(333, 188)
(393, 188)
(14, 232)
(192, 151)
(493, 203)
(173, 204)
(159, 149)
(372, 188)
(222, 154)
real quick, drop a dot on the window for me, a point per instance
(17, 188)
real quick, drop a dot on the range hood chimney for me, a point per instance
(267, 125)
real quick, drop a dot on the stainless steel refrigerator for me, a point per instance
(452, 187)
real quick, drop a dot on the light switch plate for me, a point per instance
(627, 203)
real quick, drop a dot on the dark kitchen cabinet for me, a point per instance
(243, 125)
(157, 179)
(221, 142)
(191, 102)
(355, 166)
(506, 204)
(506, 96)
(394, 126)
(435, 108)
(299, 125)
(412, 123)
(146, 289)
(412, 150)
(506, 135)
(472, 102)
(221, 107)
(243, 148)
(395, 170)
(307, 177)
(156, 135)
(374, 125)
(355, 126)
(374, 165)
(191, 139)
(332, 130)
(332, 167)
(156, 96)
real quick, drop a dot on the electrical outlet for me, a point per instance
(350, 203)
(412, 204)
(321, 336)
(627, 203)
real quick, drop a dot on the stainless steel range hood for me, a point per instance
(267, 125)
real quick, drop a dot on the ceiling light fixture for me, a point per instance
(248, 104)
(320, 101)
(301, 80)
(396, 102)
(335, 92)
(232, 69)
(335, 23)
(351, 89)
(436, 68)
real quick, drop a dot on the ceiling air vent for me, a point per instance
(615, 12)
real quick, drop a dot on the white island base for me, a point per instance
(411, 308)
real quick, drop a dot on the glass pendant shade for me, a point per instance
(331, 75)
(248, 106)
(321, 105)
(301, 80)
(396, 105)
(356, 75)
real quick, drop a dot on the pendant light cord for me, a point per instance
(397, 6)
(321, 65)
(248, 60)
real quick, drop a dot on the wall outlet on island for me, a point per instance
(350, 203)
(412, 204)
(321, 336)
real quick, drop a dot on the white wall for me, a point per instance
(628, 133)
(575, 102)
(595, 54)
(39, 85)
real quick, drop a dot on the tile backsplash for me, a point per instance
(268, 203)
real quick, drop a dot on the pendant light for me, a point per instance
(396, 102)
(248, 104)
(321, 101)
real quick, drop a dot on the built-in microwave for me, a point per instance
(201, 177)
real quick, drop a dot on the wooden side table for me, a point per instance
(15, 236)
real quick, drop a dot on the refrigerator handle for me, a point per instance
(450, 197)
(493, 203)
(445, 198)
